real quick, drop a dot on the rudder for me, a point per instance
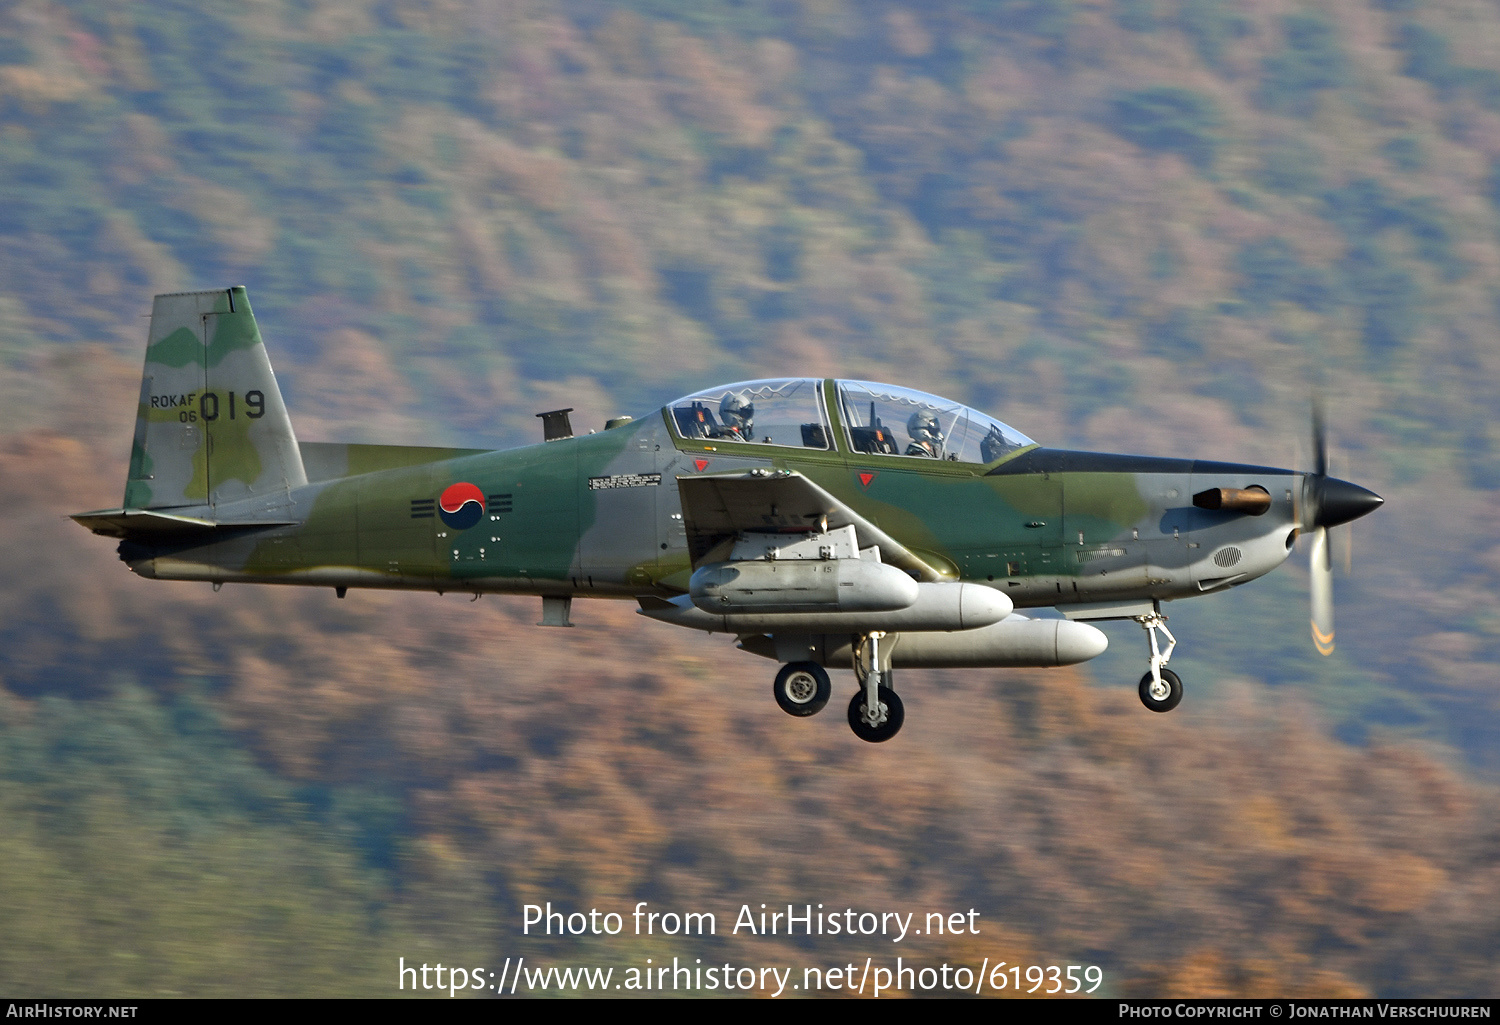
(211, 427)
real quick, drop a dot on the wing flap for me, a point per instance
(717, 508)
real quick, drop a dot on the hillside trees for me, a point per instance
(1150, 226)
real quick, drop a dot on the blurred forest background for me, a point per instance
(1131, 225)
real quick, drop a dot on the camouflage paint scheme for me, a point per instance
(223, 493)
(818, 545)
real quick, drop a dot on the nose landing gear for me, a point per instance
(1160, 689)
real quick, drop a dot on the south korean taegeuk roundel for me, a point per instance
(461, 506)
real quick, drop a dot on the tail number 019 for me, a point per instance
(209, 405)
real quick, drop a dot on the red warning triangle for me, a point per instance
(865, 476)
(701, 464)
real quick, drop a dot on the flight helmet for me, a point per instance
(738, 412)
(924, 430)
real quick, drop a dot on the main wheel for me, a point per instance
(895, 714)
(1163, 697)
(802, 688)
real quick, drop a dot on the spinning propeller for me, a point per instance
(1327, 502)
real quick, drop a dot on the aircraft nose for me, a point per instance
(1341, 502)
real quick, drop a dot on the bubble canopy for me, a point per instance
(878, 419)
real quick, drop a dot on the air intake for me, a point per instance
(1226, 557)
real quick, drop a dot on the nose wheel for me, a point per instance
(802, 688)
(1161, 689)
(1161, 694)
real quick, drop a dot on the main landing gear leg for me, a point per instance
(872, 682)
(875, 713)
(1161, 689)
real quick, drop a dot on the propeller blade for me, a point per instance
(1297, 493)
(1320, 439)
(1327, 502)
(1321, 576)
(1343, 538)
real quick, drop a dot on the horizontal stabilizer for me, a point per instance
(718, 507)
(154, 523)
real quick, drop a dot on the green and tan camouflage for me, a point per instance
(786, 512)
(211, 428)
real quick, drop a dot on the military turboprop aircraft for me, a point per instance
(825, 523)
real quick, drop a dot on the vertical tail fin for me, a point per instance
(211, 427)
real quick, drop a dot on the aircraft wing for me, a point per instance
(717, 508)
